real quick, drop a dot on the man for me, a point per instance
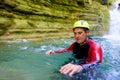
(88, 53)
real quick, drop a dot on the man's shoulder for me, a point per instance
(93, 43)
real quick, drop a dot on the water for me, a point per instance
(114, 31)
(25, 60)
(21, 60)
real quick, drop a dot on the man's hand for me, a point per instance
(50, 52)
(71, 69)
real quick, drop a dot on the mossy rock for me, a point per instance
(50, 18)
(4, 25)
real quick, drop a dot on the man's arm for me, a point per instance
(95, 58)
(92, 65)
(69, 49)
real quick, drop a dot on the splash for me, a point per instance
(114, 31)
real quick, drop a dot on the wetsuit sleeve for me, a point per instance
(69, 49)
(95, 56)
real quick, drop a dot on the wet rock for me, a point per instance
(40, 19)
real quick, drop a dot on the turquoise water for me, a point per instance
(26, 60)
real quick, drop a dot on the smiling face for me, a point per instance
(80, 35)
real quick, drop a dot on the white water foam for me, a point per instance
(114, 31)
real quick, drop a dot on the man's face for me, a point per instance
(80, 35)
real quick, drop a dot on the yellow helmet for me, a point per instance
(81, 23)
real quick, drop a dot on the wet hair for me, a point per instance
(85, 29)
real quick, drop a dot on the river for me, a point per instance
(26, 60)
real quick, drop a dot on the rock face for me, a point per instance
(41, 19)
